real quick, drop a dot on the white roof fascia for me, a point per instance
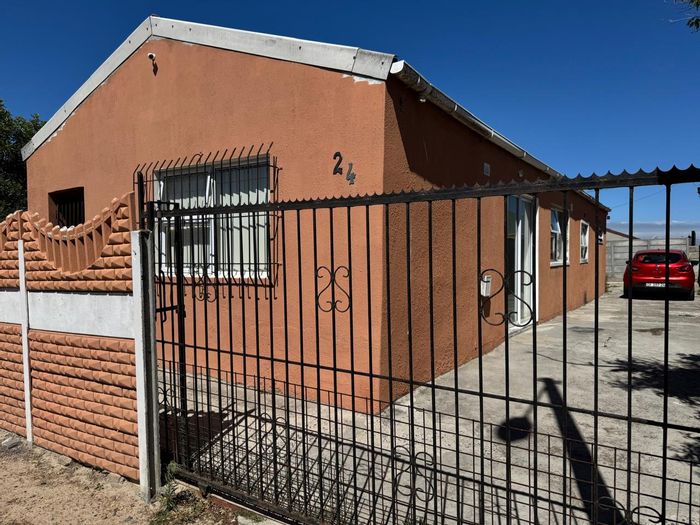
(342, 58)
(417, 82)
(351, 60)
(124, 51)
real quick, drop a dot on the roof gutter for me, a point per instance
(427, 91)
(403, 71)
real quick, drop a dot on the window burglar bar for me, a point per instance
(235, 245)
(377, 380)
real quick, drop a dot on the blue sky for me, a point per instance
(585, 86)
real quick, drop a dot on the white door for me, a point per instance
(520, 255)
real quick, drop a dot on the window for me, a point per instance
(222, 244)
(67, 207)
(556, 250)
(584, 241)
(658, 258)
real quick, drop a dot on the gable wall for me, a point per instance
(204, 99)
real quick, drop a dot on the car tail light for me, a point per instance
(685, 268)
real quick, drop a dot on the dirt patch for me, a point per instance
(39, 487)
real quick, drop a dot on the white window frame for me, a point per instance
(584, 240)
(202, 218)
(560, 261)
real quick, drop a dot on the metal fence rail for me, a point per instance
(332, 361)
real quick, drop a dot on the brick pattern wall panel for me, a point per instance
(12, 415)
(10, 234)
(84, 399)
(91, 257)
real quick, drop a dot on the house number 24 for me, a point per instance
(338, 169)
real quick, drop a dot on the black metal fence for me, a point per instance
(414, 357)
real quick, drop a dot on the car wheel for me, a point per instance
(625, 292)
(691, 295)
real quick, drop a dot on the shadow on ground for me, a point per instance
(683, 385)
(194, 437)
(588, 478)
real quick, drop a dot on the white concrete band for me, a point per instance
(107, 315)
(23, 309)
(11, 303)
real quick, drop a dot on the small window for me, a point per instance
(556, 251)
(584, 241)
(67, 207)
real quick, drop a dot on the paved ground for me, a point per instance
(424, 465)
(645, 377)
(646, 371)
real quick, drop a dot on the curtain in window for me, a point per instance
(584, 241)
(556, 240)
(222, 244)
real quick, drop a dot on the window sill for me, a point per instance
(221, 279)
(583, 261)
(558, 264)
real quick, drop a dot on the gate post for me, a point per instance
(146, 381)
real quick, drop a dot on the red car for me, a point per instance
(648, 271)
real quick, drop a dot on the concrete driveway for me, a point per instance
(646, 435)
(422, 464)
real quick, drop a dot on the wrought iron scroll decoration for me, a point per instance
(642, 511)
(507, 316)
(204, 288)
(420, 489)
(334, 289)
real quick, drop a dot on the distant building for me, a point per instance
(615, 235)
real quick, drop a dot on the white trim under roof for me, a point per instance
(351, 60)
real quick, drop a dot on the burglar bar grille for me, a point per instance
(386, 366)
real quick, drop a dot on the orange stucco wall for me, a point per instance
(203, 99)
(580, 275)
(426, 148)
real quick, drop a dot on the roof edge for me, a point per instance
(351, 60)
(142, 33)
(403, 71)
(320, 54)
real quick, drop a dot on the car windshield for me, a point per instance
(658, 258)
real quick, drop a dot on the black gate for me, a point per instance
(376, 359)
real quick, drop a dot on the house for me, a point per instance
(340, 121)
